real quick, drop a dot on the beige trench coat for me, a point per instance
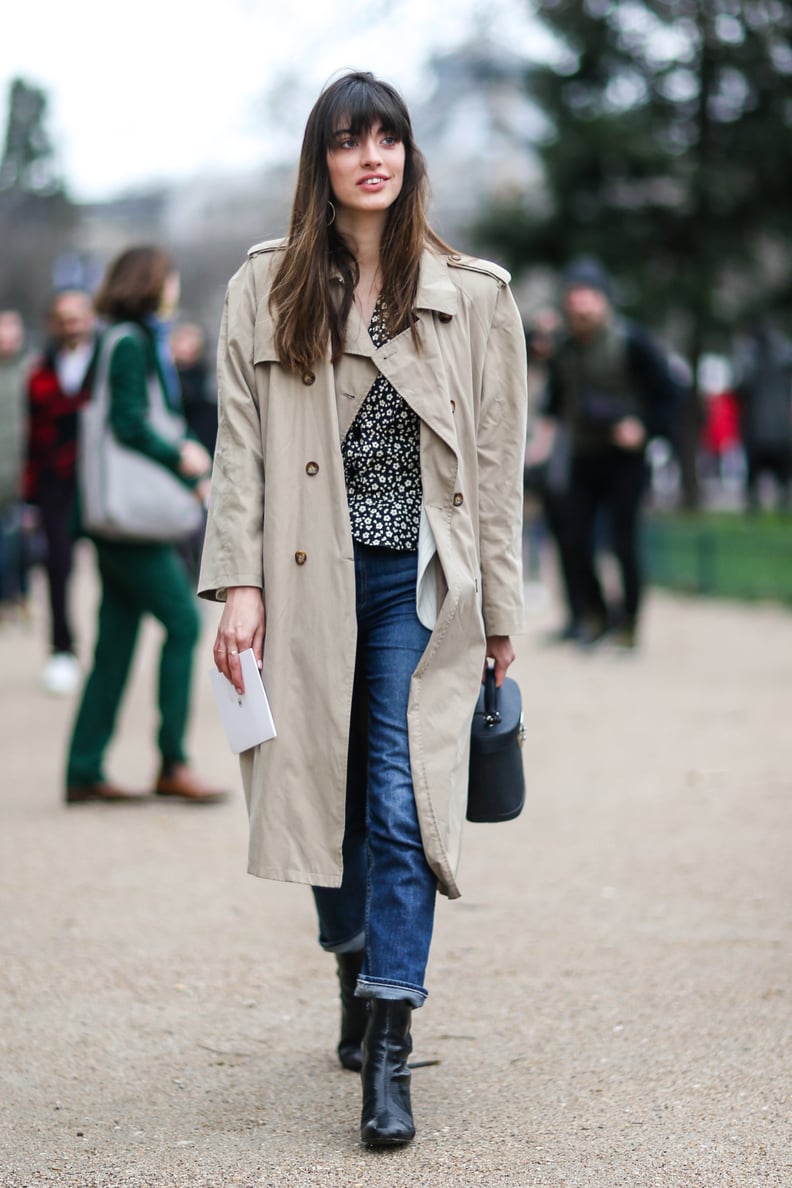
(278, 519)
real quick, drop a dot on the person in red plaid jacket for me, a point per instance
(59, 384)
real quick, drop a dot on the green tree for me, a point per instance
(667, 153)
(36, 215)
(27, 165)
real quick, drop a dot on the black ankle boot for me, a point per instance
(354, 1011)
(387, 1117)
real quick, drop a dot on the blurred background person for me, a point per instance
(764, 393)
(547, 465)
(612, 387)
(141, 287)
(58, 385)
(199, 401)
(13, 366)
(197, 382)
(722, 459)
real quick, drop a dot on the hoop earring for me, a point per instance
(331, 220)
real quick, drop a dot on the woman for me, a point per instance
(364, 531)
(141, 288)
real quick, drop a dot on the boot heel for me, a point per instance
(386, 1119)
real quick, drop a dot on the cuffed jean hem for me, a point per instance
(391, 991)
(354, 945)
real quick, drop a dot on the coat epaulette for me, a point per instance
(266, 245)
(473, 264)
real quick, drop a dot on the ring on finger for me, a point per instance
(233, 652)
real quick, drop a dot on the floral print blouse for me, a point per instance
(382, 465)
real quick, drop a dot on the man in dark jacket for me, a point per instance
(612, 388)
(764, 393)
(58, 386)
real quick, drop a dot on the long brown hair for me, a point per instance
(133, 284)
(301, 297)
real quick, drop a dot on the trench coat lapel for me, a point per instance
(420, 379)
(419, 376)
(355, 372)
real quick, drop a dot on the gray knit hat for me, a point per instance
(587, 272)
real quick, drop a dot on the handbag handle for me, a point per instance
(100, 393)
(491, 712)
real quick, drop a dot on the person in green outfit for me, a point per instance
(138, 578)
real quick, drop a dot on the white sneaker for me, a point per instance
(61, 674)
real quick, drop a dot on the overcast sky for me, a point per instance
(167, 89)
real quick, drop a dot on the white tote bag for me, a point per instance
(124, 494)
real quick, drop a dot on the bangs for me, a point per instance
(362, 105)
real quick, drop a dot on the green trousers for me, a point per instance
(137, 579)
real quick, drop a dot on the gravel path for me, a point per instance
(610, 999)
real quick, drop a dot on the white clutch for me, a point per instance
(246, 717)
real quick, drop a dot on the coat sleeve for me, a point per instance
(501, 448)
(650, 370)
(232, 553)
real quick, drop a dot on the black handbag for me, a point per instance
(496, 787)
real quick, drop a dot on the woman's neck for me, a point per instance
(364, 239)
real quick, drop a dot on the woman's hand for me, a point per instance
(202, 491)
(499, 649)
(242, 625)
(194, 462)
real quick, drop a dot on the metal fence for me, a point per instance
(732, 556)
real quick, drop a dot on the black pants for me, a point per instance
(56, 503)
(557, 511)
(773, 460)
(611, 481)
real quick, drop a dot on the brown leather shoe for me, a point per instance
(181, 781)
(80, 793)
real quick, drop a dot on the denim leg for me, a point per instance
(401, 888)
(387, 882)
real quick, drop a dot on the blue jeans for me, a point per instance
(13, 583)
(385, 903)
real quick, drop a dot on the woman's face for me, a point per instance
(366, 170)
(171, 291)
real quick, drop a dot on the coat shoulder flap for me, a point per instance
(266, 245)
(484, 267)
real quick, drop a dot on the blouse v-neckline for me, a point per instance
(378, 323)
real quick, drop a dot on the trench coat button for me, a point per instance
(308, 377)
(453, 406)
(300, 557)
(458, 500)
(444, 317)
(312, 468)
